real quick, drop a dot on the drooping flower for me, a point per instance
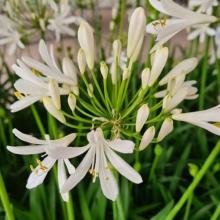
(48, 149)
(9, 35)
(61, 19)
(208, 119)
(181, 18)
(99, 161)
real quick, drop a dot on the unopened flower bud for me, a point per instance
(72, 102)
(158, 62)
(81, 61)
(90, 90)
(142, 115)
(114, 11)
(50, 107)
(145, 76)
(147, 138)
(104, 69)
(126, 73)
(87, 43)
(112, 25)
(55, 93)
(165, 129)
(136, 31)
(69, 69)
(114, 73)
(117, 49)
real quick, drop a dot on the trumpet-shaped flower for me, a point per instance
(48, 148)
(182, 18)
(9, 35)
(208, 119)
(43, 81)
(99, 161)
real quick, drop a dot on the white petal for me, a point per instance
(27, 138)
(65, 141)
(107, 180)
(122, 167)
(80, 172)
(186, 66)
(25, 87)
(50, 107)
(26, 150)
(62, 179)
(122, 146)
(66, 152)
(71, 169)
(37, 178)
(158, 6)
(24, 103)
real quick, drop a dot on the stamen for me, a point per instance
(35, 72)
(94, 175)
(217, 124)
(18, 95)
(42, 167)
(33, 170)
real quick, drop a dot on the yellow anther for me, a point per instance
(18, 95)
(35, 72)
(33, 169)
(217, 124)
(106, 178)
(42, 167)
(94, 174)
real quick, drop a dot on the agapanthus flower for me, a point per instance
(181, 18)
(61, 20)
(9, 35)
(208, 119)
(203, 5)
(41, 81)
(44, 147)
(99, 160)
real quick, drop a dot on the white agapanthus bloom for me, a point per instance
(61, 19)
(99, 161)
(34, 86)
(44, 147)
(9, 36)
(207, 119)
(203, 5)
(201, 31)
(181, 18)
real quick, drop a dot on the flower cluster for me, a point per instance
(103, 105)
(17, 29)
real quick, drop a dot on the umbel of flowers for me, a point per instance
(102, 107)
